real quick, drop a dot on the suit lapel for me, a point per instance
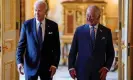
(46, 29)
(34, 29)
(87, 34)
(87, 31)
(98, 34)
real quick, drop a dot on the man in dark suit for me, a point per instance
(92, 52)
(39, 40)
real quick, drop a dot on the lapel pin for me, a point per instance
(100, 30)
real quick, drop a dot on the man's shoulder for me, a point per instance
(51, 21)
(81, 27)
(28, 21)
(104, 27)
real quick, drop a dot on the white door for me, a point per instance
(9, 15)
(123, 60)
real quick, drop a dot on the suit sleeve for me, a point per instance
(109, 51)
(21, 46)
(73, 52)
(56, 47)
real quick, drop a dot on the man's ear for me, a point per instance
(98, 17)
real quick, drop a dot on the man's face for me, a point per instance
(39, 11)
(92, 17)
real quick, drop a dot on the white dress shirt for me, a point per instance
(43, 27)
(95, 27)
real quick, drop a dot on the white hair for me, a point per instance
(95, 8)
(41, 2)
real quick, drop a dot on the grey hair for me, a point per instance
(41, 2)
(95, 8)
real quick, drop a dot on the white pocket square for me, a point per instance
(50, 32)
(103, 38)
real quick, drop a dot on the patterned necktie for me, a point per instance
(39, 34)
(93, 35)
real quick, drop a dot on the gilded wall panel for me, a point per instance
(78, 11)
(69, 21)
(22, 11)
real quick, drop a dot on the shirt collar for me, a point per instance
(38, 22)
(96, 26)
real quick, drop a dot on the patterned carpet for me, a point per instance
(62, 74)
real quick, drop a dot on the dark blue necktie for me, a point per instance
(40, 34)
(93, 35)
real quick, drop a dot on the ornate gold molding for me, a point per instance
(77, 11)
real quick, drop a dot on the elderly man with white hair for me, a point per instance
(38, 50)
(92, 52)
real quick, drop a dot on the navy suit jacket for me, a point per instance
(86, 59)
(28, 51)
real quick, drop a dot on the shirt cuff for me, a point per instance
(71, 69)
(106, 68)
(53, 66)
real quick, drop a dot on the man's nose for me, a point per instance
(89, 18)
(37, 12)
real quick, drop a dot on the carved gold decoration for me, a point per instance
(67, 39)
(9, 70)
(79, 18)
(77, 10)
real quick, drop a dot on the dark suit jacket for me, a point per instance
(86, 59)
(28, 43)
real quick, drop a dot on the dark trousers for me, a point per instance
(43, 73)
(91, 76)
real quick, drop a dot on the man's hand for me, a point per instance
(53, 70)
(73, 73)
(20, 67)
(103, 73)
